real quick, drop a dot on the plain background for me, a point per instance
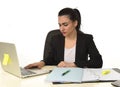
(27, 22)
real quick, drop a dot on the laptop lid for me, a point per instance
(9, 59)
(10, 63)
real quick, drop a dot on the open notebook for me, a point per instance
(10, 63)
(82, 75)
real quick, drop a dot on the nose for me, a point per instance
(61, 28)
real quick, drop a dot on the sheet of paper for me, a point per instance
(91, 75)
(97, 75)
(113, 75)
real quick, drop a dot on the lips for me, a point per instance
(63, 32)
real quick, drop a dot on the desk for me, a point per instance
(8, 80)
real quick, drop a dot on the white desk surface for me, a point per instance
(8, 80)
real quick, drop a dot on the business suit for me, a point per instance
(85, 47)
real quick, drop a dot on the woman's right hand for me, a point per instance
(35, 65)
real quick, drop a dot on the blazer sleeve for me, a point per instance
(49, 51)
(48, 56)
(94, 55)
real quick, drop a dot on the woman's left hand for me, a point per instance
(66, 64)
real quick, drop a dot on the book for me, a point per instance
(80, 75)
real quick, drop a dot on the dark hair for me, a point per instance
(73, 14)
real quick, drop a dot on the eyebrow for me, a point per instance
(64, 23)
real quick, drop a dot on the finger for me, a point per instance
(39, 67)
(59, 65)
(29, 66)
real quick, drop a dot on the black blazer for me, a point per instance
(87, 54)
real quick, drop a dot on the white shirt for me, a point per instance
(69, 54)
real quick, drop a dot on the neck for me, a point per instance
(72, 36)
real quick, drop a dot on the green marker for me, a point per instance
(65, 72)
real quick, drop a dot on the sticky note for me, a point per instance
(6, 59)
(105, 72)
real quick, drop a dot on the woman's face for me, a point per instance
(66, 25)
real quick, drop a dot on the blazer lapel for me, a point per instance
(79, 45)
(61, 48)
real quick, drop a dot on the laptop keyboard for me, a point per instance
(26, 72)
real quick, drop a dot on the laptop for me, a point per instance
(10, 63)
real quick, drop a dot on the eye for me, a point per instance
(59, 25)
(65, 24)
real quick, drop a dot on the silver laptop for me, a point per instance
(10, 63)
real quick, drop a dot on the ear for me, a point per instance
(75, 23)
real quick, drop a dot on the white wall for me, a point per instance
(27, 22)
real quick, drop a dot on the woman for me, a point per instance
(72, 47)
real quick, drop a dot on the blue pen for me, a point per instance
(64, 73)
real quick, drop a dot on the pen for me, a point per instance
(64, 73)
